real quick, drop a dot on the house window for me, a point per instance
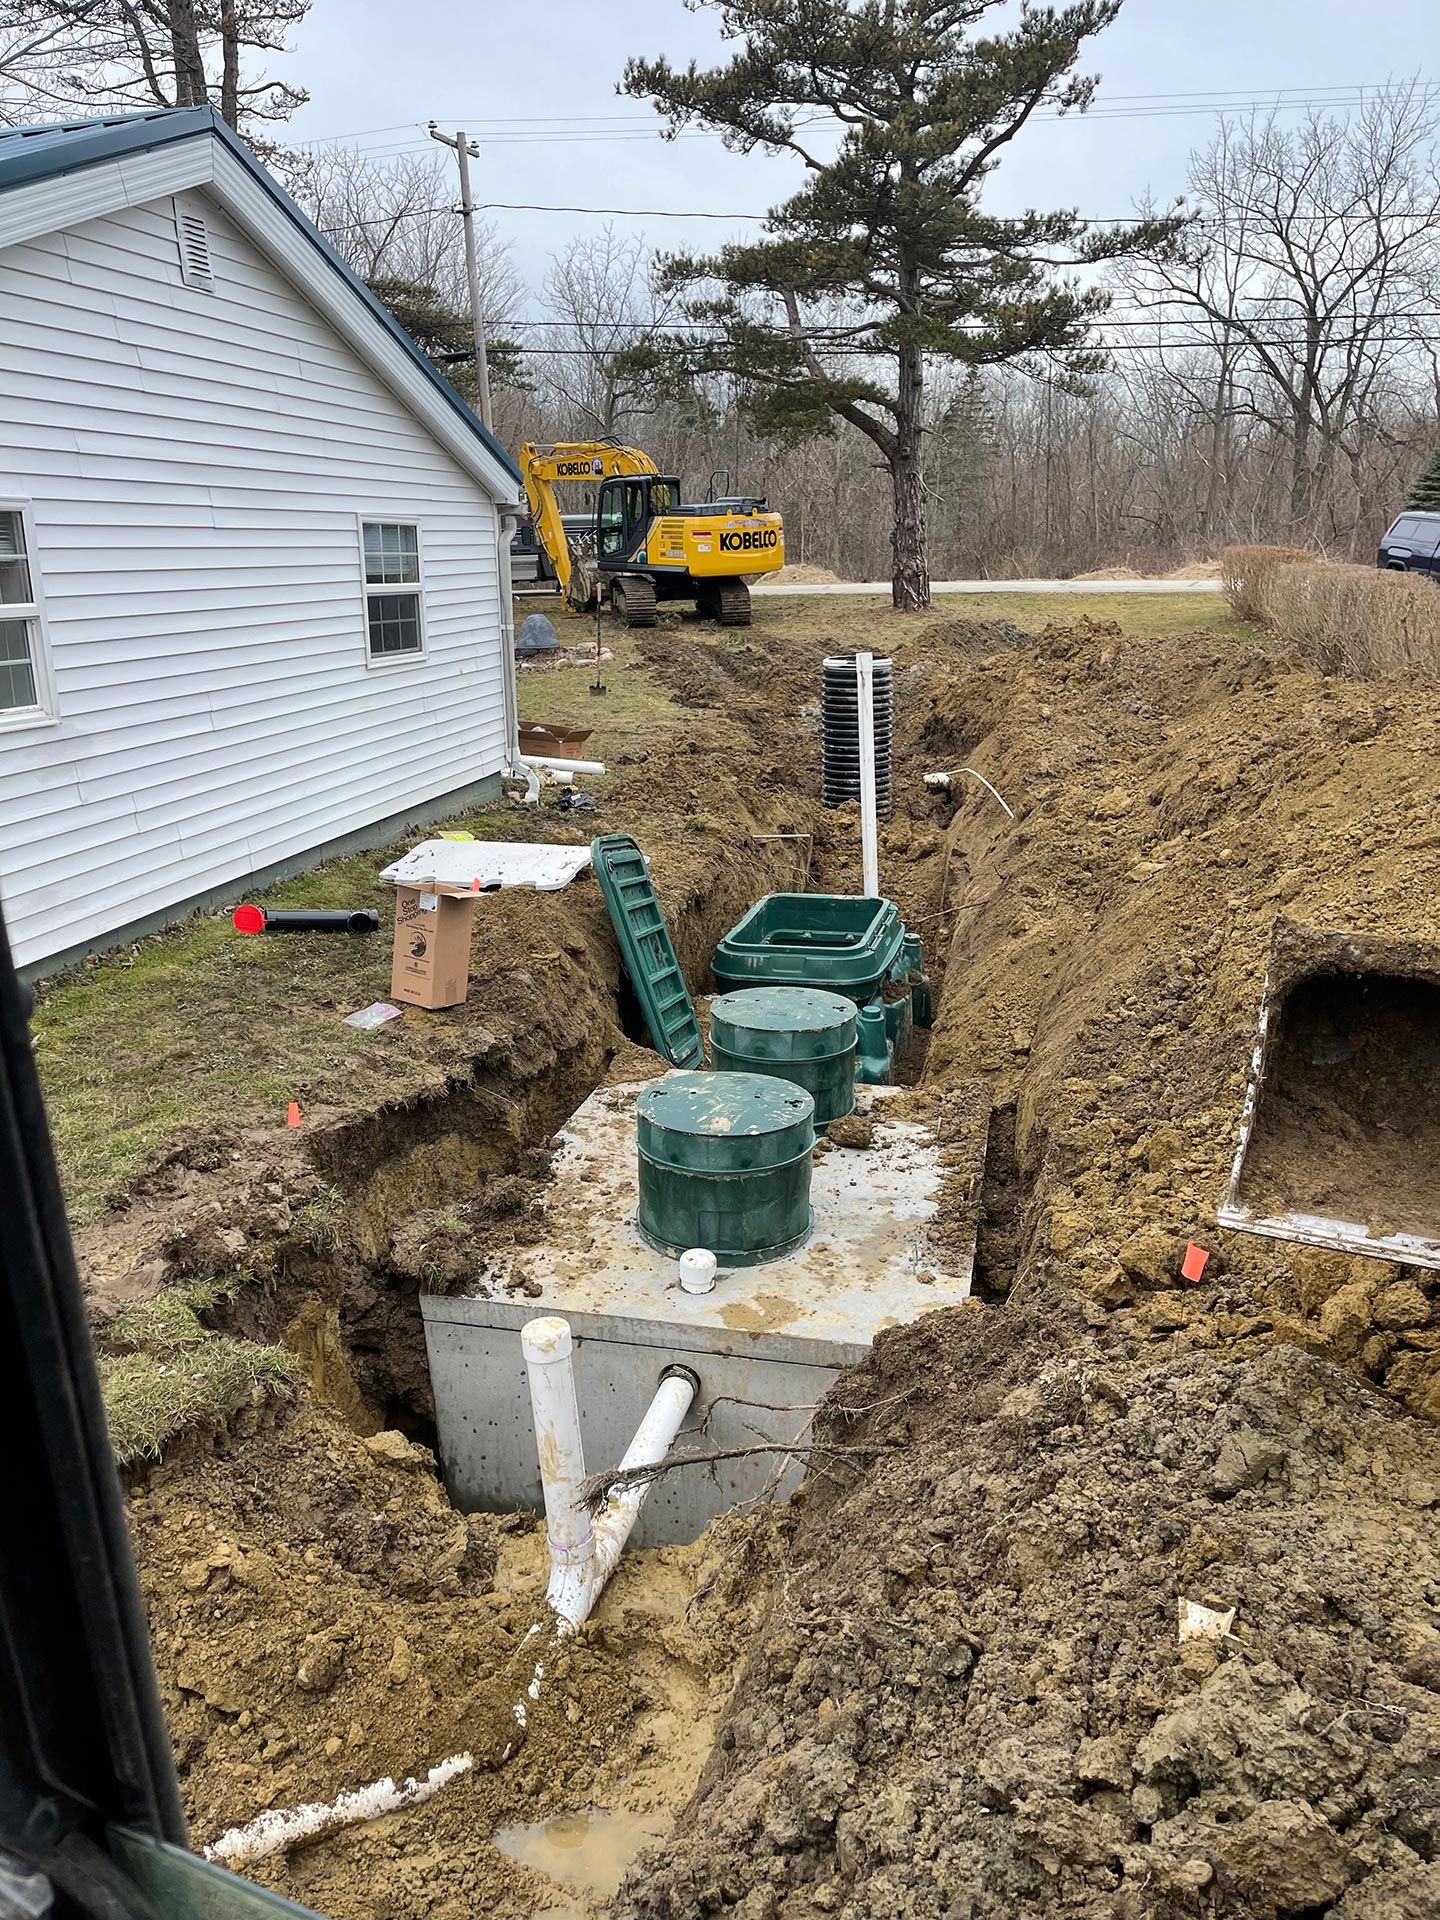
(394, 618)
(23, 690)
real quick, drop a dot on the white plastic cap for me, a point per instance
(546, 1340)
(697, 1270)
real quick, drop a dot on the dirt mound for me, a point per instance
(976, 637)
(1110, 573)
(1196, 570)
(799, 574)
(973, 1697)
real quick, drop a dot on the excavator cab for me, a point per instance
(624, 512)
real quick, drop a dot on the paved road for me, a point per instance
(1013, 586)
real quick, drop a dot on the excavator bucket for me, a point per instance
(1340, 1132)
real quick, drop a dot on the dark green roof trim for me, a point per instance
(28, 154)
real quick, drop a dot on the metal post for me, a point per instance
(464, 150)
(865, 716)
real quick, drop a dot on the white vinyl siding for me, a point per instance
(197, 465)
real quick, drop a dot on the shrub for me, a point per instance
(1243, 569)
(1361, 621)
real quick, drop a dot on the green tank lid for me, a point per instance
(783, 1023)
(728, 1122)
(725, 1163)
(800, 1034)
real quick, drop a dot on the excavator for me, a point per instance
(642, 544)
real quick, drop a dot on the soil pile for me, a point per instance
(973, 1697)
(799, 573)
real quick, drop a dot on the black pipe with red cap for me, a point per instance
(249, 919)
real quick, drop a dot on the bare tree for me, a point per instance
(397, 220)
(601, 292)
(97, 56)
(1310, 276)
(396, 224)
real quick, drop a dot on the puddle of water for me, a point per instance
(588, 1851)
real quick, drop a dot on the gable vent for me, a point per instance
(196, 269)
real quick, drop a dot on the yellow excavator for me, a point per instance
(642, 543)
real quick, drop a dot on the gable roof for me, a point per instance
(36, 156)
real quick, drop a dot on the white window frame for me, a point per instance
(45, 712)
(383, 662)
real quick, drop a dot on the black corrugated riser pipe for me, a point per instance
(840, 733)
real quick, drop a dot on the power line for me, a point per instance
(1196, 217)
(551, 129)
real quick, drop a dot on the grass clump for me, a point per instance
(164, 1371)
(320, 1223)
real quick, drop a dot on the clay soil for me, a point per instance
(961, 1685)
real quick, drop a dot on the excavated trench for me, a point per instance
(425, 1196)
(946, 1678)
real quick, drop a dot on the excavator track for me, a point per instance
(633, 598)
(734, 603)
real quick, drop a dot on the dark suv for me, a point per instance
(1413, 545)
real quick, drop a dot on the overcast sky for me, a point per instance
(536, 85)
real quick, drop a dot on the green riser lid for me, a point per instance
(795, 1033)
(725, 1162)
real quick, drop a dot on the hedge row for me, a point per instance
(1360, 621)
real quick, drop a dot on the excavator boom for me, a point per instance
(582, 460)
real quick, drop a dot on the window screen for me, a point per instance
(393, 615)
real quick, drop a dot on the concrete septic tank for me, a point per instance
(766, 1341)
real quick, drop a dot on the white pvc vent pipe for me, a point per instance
(869, 833)
(583, 1553)
(566, 767)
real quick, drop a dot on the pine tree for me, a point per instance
(1425, 494)
(884, 259)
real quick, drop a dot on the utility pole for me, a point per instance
(465, 150)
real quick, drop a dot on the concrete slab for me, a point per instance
(766, 1342)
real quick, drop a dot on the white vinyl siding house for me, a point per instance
(251, 567)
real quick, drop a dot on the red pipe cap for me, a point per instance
(249, 919)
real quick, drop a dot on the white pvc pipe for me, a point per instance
(940, 783)
(698, 1267)
(542, 765)
(654, 1437)
(582, 1556)
(549, 1361)
(869, 835)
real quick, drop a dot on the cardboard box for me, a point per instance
(432, 946)
(540, 742)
